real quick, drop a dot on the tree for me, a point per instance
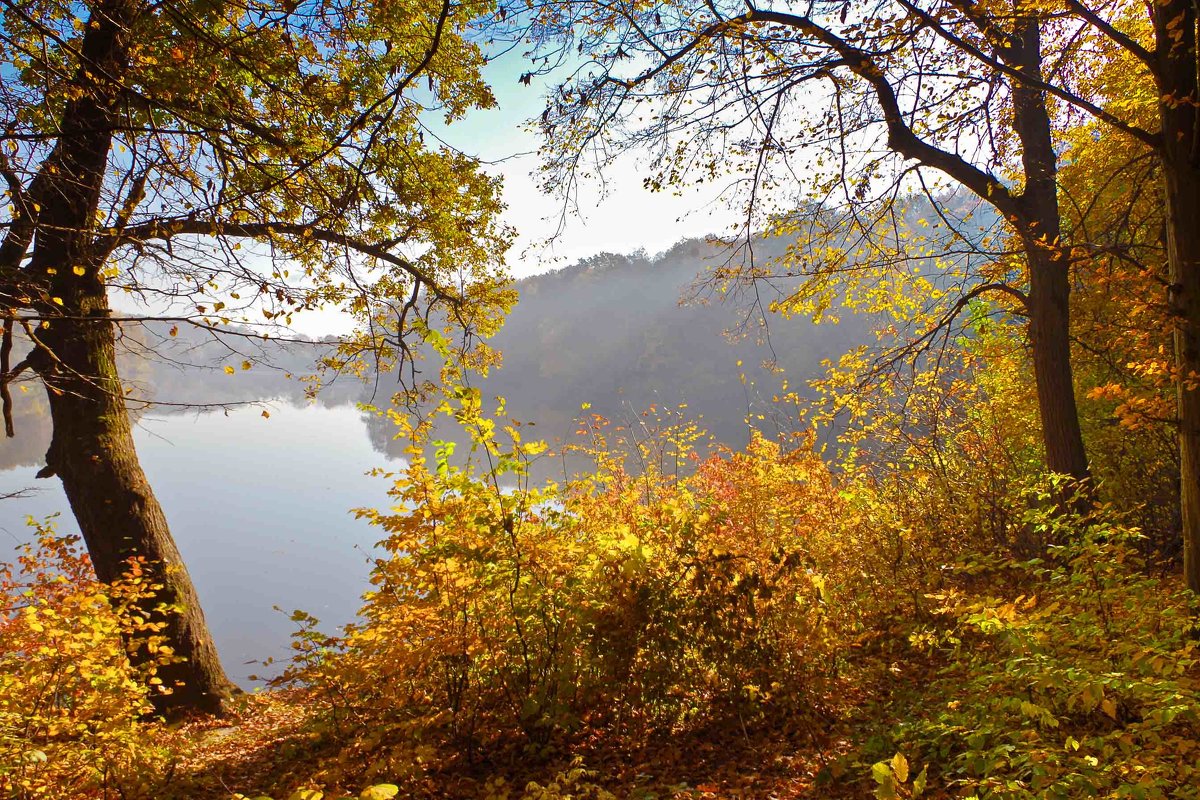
(818, 104)
(145, 142)
(1173, 65)
(980, 91)
(1159, 42)
(1110, 188)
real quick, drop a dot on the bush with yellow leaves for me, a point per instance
(70, 700)
(624, 603)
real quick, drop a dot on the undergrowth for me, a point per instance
(860, 630)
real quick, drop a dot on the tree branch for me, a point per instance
(1142, 135)
(5, 395)
(1123, 39)
(901, 137)
(164, 230)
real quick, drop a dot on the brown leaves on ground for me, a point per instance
(274, 745)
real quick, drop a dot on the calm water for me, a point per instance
(260, 510)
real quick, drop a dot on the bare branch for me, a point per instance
(164, 230)
(901, 137)
(1016, 74)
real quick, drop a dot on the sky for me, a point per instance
(618, 215)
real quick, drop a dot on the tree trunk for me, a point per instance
(92, 451)
(1049, 329)
(1175, 23)
(1183, 244)
(92, 447)
(1049, 271)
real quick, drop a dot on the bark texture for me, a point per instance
(1049, 328)
(1175, 24)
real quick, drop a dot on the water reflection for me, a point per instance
(260, 509)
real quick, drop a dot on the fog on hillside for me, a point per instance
(612, 331)
(615, 332)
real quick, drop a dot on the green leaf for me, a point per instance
(918, 786)
(886, 791)
(380, 791)
(306, 794)
(881, 772)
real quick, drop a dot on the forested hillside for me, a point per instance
(625, 333)
(622, 333)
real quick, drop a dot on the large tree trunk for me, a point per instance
(1049, 272)
(1175, 25)
(92, 446)
(92, 451)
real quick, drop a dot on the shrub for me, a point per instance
(70, 701)
(629, 604)
(1084, 683)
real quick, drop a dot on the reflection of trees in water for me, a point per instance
(170, 369)
(31, 421)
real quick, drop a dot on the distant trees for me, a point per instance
(144, 143)
(850, 104)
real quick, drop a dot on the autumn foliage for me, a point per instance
(670, 594)
(919, 616)
(888, 594)
(70, 700)
(630, 603)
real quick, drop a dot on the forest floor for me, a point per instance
(273, 744)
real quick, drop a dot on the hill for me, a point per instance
(611, 331)
(620, 333)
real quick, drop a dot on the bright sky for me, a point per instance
(617, 216)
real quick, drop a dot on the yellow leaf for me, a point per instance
(229, 370)
(245, 365)
(78, 270)
(900, 767)
(306, 794)
(382, 791)
(1109, 707)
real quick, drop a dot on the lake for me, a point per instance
(260, 509)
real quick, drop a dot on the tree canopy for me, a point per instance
(219, 163)
(819, 117)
